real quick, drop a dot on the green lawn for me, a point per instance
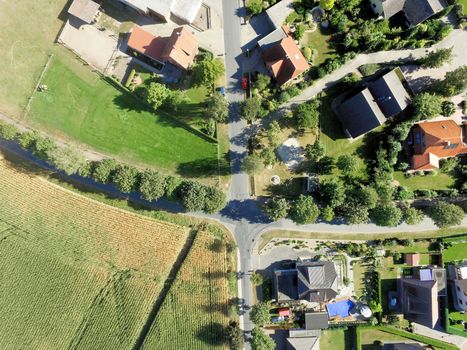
(368, 337)
(457, 251)
(28, 29)
(318, 40)
(336, 339)
(82, 107)
(440, 181)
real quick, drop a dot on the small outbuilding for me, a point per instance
(85, 10)
(412, 259)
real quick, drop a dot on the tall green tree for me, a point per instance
(427, 106)
(152, 185)
(273, 133)
(259, 314)
(386, 215)
(215, 200)
(332, 192)
(347, 163)
(412, 216)
(156, 94)
(251, 108)
(193, 195)
(104, 170)
(446, 214)
(208, 71)
(306, 115)
(315, 151)
(276, 208)
(217, 107)
(262, 82)
(261, 341)
(304, 210)
(454, 82)
(252, 164)
(436, 58)
(126, 178)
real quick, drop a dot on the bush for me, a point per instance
(104, 170)
(130, 78)
(307, 53)
(445, 214)
(152, 185)
(260, 314)
(8, 131)
(369, 69)
(448, 108)
(68, 159)
(126, 178)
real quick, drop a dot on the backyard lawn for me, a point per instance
(368, 337)
(336, 339)
(318, 40)
(82, 107)
(458, 251)
(28, 29)
(440, 181)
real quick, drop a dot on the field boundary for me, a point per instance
(165, 290)
(41, 76)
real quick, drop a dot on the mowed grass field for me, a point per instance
(76, 273)
(28, 29)
(194, 314)
(81, 106)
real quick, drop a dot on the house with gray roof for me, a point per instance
(458, 285)
(312, 281)
(383, 98)
(413, 11)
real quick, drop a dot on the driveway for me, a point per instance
(92, 45)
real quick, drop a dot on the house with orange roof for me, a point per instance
(284, 60)
(432, 141)
(179, 49)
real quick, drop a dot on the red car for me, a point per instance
(245, 83)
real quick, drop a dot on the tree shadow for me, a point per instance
(214, 334)
(248, 209)
(205, 167)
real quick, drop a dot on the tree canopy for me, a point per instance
(259, 314)
(152, 185)
(436, 58)
(207, 71)
(217, 107)
(304, 210)
(386, 214)
(125, 178)
(347, 163)
(276, 208)
(251, 108)
(252, 164)
(446, 214)
(426, 105)
(261, 341)
(454, 82)
(306, 115)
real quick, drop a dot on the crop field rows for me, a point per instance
(76, 273)
(194, 314)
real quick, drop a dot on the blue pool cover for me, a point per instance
(341, 308)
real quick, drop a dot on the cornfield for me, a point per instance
(76, 274)
(194, 314)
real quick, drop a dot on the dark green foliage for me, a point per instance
(306, 115)
(332, 192)
(207, 71)
(404, 194)
(217, 107)
(261, 341)
(446, 214)
(323, 166)
(152, 185)
(412, 216)
(155, 94)
(299, 31)
(315, 151)
(175, 99)
(126, 178)
(276, 208)
(449, 165)
(8, 131)
(262, 82)
(386, 215)
(192, 195)
(252, 164)
(448, 108)
(437, 58)
(427, 106)
(260, 314)
(347, 163)
(273, 133)
(269, 156)
(235, 336)
(104, 170)
(304, 210)
(215, 200)
(172, 185)
(251, 108)
(327, 213)
(454, 82)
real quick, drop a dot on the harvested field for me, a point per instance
(76, 273)
(194, 314)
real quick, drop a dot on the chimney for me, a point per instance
(448, 143)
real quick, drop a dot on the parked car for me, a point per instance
(221, 90)
(277, 319)
(245, 83)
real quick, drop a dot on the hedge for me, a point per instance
(451, 239)
(417, 337)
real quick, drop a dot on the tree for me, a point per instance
(215, 200)
(175, 99)
(327, 213)
(454, 82)
(207, 71)
(27, 139)
(356, 214)
(259, 314)
(299, 31)
(262, 82)
(307, 115)
(448, 108)
(257, 279)
(156, 94)
(251, 108)
(269, 156)
(68, 159)
(152, 185)
(255, 7)
(276, 208)
(332, 192)
(326, 4)
(43, 147)
(104, 170)
(217, 107)
(235, 335)
(386, 215)
(126, 178)
(304, 210)
(427, 105)
(437, 58)
(347, 163)
(446, 214)
(8, 131)
(366, 197)
(252, 164)
(172, 187)
(412, 216)
(192, 195)
(315, 151)
(261, 341)
(273, 133)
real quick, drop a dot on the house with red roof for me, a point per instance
(284, 60)
(432, 141)
(179, 49)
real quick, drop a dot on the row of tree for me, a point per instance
(152, 185)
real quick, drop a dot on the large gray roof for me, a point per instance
(316, 320)
(390, 94)
(301, 343)
(416, 11)
(285, 284)
(419, 301)
(316, 280)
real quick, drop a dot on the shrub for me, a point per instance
(259, 314)
(130, 78)
(104, 170)
(448, 108)
(8, 131)
(152, 185)
(126, 178)
(68, 159)
(445, 214)
(307, 53)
